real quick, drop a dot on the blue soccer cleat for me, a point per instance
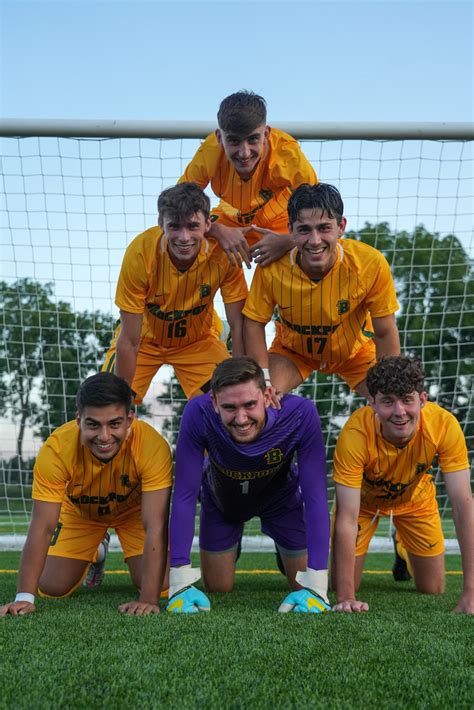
(188, 601)
(304, 600)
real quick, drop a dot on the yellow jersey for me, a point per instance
(67, 472)
(327, 320)
(390, 477)
(262, 198)
(177, 305)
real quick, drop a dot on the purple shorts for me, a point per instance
(282, 519)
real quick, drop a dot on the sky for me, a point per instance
(318, 60)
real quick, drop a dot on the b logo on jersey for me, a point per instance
(125, 480)
(204, 290)
(342, 306)
(266, 194)
(273, 456)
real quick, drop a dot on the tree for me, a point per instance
(46, 350)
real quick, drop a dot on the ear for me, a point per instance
(218, 136)
(216, 409)
(342, 227)
(423, 399)
(130, 417)
(371, 401)
(266, 133)
(267, 397)
(78, 419)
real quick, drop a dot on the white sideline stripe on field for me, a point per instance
(250, 543)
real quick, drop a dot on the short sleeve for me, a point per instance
(381, 295)
(350, 456)
(50, 476)
(132, 285)
(155, 461)
(452, 449)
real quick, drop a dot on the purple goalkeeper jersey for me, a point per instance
(244, 477)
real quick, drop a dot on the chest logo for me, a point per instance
(342, 306)
(125, 480)
(204, 290)
(273, 456)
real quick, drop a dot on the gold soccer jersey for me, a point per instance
(327, 320)
(177, 306)
(263, 198)
(390, 477)
(67, 472)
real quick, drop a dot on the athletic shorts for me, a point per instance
(193, 364)
(282, 519)
(418, 526)
(78, 538)
(353, 371)
(278, 225)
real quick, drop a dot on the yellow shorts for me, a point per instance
(78, 538)
(353, 371)
(418, 526)
(279, 225)
(193, 364)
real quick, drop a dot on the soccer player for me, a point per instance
(253, 169)
(383, 465)
(104, 469)
(249, 471)
(165, 293)
(336, 299)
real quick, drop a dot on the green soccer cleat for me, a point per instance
(96, 571)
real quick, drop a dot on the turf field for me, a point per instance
(409, 651)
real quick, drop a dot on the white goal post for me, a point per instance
(75, 193)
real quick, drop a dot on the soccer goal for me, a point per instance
(74, 194)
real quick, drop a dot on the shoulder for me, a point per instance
(354, 247)
(280, 139)
(199, 407)
(62, 443)
(300, 411)
(145, 440)
(146, 240)
(361, 421)
(434, 417)
(362, 257)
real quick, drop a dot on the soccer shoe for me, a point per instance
(96, 571)
(304, 600)
(188, 601)
(400, 568)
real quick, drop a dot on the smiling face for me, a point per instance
(316, 235)
(242, 410)
(399, 416)
(103, 429)
(244, 152)
(185, 237)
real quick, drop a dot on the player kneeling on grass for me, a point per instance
(383, 465)
(102, 470)
(249, 471)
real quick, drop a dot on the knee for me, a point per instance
(219, 586)
(435, 586)
(52, 589)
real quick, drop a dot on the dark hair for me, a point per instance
(103, 389)
(241, 113)
(396, 375)
(322, 197)
(235, 371)
(181, 201)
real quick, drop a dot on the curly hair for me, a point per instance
(397, 375)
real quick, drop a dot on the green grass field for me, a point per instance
(409, 651)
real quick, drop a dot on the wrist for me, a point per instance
(25, 597)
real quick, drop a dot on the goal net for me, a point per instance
(70, 206)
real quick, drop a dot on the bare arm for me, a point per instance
(387, 340)
(44, 519)
(235, 318)
(255, 342)
(155, 512)
(458, 488)
(345, 534)
(128, 343)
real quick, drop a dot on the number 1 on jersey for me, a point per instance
(245, 487)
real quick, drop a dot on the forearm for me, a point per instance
(126, 359)
(463, 516)
(33, 559)
(387, 341)
(345, 534)
(154, 562)
(254, 341)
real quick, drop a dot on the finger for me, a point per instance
(284, 607)
(254, 228)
